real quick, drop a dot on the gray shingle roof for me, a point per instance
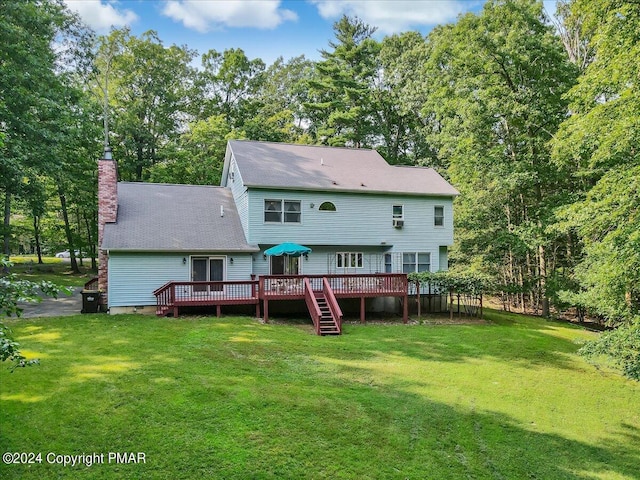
(160, 217)
(310, 167)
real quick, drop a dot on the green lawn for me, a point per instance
(231, 398)
(53, 270)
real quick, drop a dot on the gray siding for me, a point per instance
(134, 276)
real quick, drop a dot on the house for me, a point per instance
(358, 215)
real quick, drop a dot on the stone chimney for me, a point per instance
(107, 212)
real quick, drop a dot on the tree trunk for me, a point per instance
(140, 162)
(79, 229)
(67, 231)
(92, 245)
(6, 248)
(36, 234)
(523, 305)
(531, 275)
(543, 281)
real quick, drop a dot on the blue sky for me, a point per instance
(264, 29)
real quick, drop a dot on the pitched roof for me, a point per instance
(311, 167)
(161, 217)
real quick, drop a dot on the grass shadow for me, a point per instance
(231, 398)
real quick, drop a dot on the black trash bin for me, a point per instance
(90, 301)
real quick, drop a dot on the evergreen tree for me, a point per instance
(340, 108)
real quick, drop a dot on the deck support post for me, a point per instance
(175, 312)
(265, 310)
(418, 298)
(362, 307)
(451, 305)
(218, 312)
(405, 309)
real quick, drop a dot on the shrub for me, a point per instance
(621, 345)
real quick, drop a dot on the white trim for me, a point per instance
(224, 259)
(281, 211)
(434, 216)
(393, 214)
(346, 260)
(416, 261)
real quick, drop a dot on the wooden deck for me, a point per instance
(174, 295)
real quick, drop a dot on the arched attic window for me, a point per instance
(327, 207)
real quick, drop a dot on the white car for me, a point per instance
(66, 254)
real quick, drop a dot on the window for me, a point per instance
(349, 260)
(327, 207)
(416, 262)
(438, 216)
(273, 211)
(388, 264)
(424, 262)
(291, 211)
(398, 212)
(285, 265)
(277, 211)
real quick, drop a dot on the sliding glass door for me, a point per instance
(207, 269)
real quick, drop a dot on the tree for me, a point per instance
(229, 82)
(150, 88)
(27, 76)
(340, 107)
(36, 200)
(280, 116)
(569, 24)
(42, 44)
(199, 155)
(75, 174)
(398, 119)
(494, 86)
(599, 142)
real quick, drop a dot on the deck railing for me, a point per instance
(332, 303)
(185, 294)
(173, 295)
(345, 285)
(164, 298)
(91, 284)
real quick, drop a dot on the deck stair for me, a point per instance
(328, 323)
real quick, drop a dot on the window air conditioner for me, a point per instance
(398, 223)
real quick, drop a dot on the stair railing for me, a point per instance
(332, 302)
(164, 298)
(312, 305)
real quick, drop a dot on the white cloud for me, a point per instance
(204, 15)
(395, 16)
(101, 16)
